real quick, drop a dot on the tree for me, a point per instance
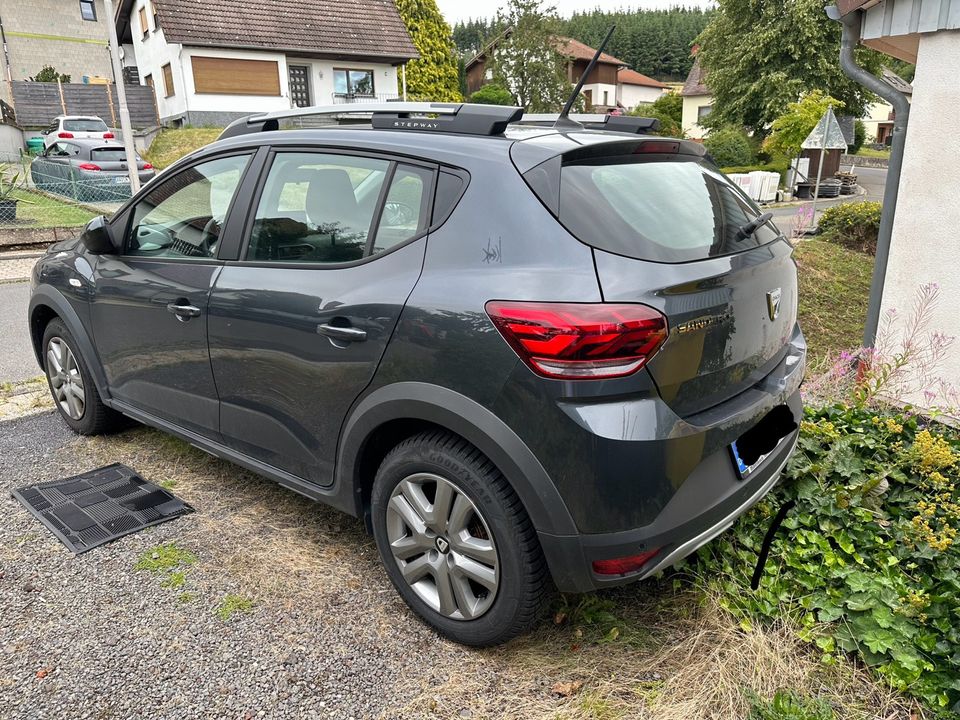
(859, 136)
(49, 74)
(790, 129)
(492, 94)
(761, 55)
(668, 109)
(434, 75)
(526, 60)
(729, 147)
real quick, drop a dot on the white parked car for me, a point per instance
(76, 127)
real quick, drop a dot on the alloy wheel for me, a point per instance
(65, 378)
(443, 546)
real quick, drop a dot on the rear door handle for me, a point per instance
(346, 334)
(183, 310)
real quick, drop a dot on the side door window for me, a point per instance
(329, 208)
(182, 218)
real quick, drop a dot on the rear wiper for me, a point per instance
(751, 227)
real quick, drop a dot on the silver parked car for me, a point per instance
(87, 170)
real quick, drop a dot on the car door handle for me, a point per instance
(346, 334)
(183, 310)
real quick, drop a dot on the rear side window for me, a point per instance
(659, 207)
(331, 208)
(84, 126)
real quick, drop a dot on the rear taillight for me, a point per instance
(88, 166)
(108, 136)
(147, 166)
(64, 135)
(623, 565)
(580, 340)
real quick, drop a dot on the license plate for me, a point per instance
(122, 180)
(743, 470)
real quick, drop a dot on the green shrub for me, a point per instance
(492, 94)
(853, 225)
(789, 705)
(859, 137)
(729, 146)
(868, 562)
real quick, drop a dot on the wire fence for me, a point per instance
(37, 194)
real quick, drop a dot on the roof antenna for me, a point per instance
(564, 122)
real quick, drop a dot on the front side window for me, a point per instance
(88, 10)
(353, 82)
(182, 218)
(322, 208)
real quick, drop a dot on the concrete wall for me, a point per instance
(691, 106)
(926, 233)
(51, 32)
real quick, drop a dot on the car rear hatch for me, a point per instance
(670, 231)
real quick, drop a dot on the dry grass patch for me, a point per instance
(24, 398)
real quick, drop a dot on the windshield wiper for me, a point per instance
(751, 227)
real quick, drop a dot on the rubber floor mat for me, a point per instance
(88, 510)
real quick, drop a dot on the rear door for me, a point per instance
(670, 231)
(299, 322)
(151, 300)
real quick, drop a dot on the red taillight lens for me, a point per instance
(147, 166)
(580, 340)
(657, 146)
(64, 135)
(88, 166)
(108, 136)
(624, 565)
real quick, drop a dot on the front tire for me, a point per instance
(456, 542)
(74, 392)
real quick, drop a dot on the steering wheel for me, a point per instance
(397, 214)
(210, 237)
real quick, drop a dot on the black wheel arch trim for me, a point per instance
(51, 298)
(471, 421)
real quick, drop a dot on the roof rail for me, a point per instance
(598, 121)
(470, 119)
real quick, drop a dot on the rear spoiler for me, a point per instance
(596, 121)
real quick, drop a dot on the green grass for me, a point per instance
(834, 289)
(171, 145)
(870, 152)
(36, 210)
(233, 604)
(164, 558)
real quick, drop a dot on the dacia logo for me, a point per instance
(773, 303)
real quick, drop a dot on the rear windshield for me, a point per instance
(84, 126)
(110, 155)
(664, 208)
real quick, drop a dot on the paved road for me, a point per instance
(16, 357)
(870, 179)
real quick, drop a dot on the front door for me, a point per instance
(150, 302)
(300, 85)
(298, 325)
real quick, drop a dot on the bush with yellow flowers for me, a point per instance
(869, 559)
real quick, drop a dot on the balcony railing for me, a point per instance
(342, 98)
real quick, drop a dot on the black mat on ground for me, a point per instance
(88, 510)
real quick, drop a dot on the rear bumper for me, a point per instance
(708, 503)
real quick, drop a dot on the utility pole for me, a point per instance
(125, 125)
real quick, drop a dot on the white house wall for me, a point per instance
(321, 77)
(230, 103)
(596, 93)
(152, 53)
(633, 95)
(691, 107)
(925, 233)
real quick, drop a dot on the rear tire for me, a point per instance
(456, 542)
(74, 392)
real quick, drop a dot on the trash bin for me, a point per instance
(35, 145)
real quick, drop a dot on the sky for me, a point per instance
(454, 10)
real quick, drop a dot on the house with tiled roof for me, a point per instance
(697, 102)
(211, 61)
(606, 87)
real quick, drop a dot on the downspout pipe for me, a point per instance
(849, 39)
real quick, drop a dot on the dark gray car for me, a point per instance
(524, 356)
(87, 170)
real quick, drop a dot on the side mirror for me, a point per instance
(96, 237)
